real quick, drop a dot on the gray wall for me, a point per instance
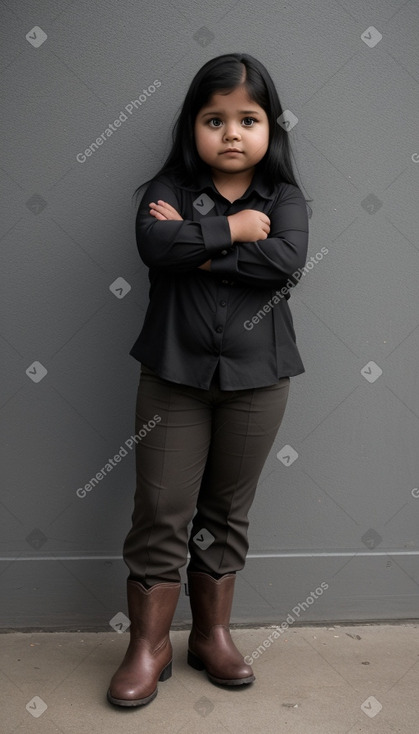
(345, 512)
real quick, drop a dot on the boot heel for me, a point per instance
(166, 672)
(195, 662)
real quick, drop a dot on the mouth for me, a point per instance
(231, 150)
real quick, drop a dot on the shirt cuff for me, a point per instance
(225, 265)
(216, 234)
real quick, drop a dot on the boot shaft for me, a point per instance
(151, 610)
(211, 600)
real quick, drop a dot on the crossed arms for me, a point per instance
(249, 246)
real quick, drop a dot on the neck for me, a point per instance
(242, 179)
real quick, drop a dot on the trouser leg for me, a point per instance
(244, 427)
(170, 460)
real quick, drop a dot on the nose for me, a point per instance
(232, 132)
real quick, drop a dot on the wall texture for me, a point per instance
(338, 500)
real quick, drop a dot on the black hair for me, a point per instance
(224, 74)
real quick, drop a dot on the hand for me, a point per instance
(249, 225)
(164, 211)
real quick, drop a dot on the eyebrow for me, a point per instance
(241, 112)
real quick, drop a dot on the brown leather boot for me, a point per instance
(210, 644)
(148, 658)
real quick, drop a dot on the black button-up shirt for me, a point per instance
(234, 316)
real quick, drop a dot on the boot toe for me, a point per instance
(240, 675)
(129, 697)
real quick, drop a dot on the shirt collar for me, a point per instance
(203, 180)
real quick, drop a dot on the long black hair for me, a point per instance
(223, 74)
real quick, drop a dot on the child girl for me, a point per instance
(223, 229)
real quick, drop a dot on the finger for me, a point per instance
(156, 209)
(165, 208)
(158, 206)
(158, 215)
(166, 205)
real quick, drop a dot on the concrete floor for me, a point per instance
(309, 680)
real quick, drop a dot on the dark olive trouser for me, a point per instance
(206, 453)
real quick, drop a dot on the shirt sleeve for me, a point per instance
(272, 262)
(178, 245)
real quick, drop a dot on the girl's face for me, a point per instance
(231, 121)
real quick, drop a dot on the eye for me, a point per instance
(249, 121)
(214, 119)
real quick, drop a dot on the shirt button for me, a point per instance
(223, 303)
(219, 329)
(224, 252)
